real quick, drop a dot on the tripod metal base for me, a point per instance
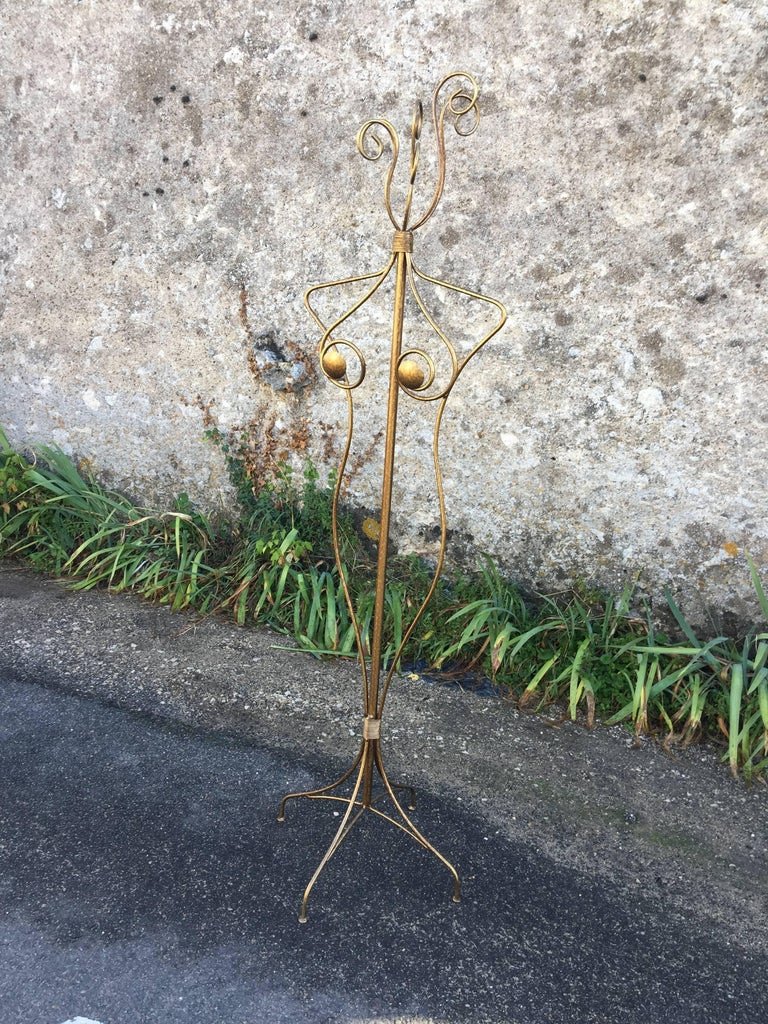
(362, 798)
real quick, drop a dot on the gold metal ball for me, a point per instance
(334, 364)
(410, 374)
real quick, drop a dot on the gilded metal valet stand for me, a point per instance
(414, 373)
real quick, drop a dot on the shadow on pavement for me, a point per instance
(126, 838)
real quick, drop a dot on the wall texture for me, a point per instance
(176, 173)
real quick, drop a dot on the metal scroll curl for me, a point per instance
(455, 99)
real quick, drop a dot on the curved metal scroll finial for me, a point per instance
(459, 105)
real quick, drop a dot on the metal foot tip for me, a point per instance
(303, 918)
(456, 898)
(281, 817)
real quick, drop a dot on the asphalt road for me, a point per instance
(144, 878)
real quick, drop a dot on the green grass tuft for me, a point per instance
(591, 655)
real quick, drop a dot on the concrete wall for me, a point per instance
(176, 173)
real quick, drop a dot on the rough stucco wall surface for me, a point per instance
(169, 166)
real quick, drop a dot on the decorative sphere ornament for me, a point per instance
(334, 364)
(410, 374)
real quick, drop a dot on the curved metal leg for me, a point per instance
(359, 801)
(413, 831)
(397, 786)
(343, 831)
(314, 793)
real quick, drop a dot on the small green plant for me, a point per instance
(589, 654)
(280, 502)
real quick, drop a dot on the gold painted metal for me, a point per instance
(410, 374)
(334, 364)
(414, 373)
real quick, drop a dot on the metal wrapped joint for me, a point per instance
(402, 241)
(371, 728)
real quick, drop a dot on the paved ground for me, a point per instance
(143, 877)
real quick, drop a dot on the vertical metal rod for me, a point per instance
(386, 507)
